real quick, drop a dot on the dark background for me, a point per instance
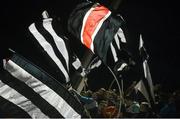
(157, 21)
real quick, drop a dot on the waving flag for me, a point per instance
(94, 25)
(34, 93)
(141, 87)
(55, 47)
(147, 74)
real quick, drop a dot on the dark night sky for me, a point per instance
(157, 21)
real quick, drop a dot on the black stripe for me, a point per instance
(43, 60)
(59, 31)
(29, 93)
(51, 41)
(115, 45)
(10, 110)
(123, 46)
(143, 54)
(122, 54)
(105, 36)
(49, 81)
(57, 26)
(147, 86)
(109, 62)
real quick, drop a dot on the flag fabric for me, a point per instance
(147, 76)
(118, 55)
(34, 93)
(94, 25)
(146, 70)
(141, 87)
(117, 45)
(53, 46)
(142, 50)
(96, 64)
(22, 106)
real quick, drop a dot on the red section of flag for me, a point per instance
(91, 23)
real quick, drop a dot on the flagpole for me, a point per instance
(115, 5)
(122, 85)
(111, 84)
(119, 87)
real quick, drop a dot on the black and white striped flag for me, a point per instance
(142, 88)
(28, 91)
(55, 46)
(146, 71)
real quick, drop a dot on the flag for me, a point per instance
(141, 87)
(146, 70)
(117, 46)
(94, 25)
(53, 47)
(34, 93)
(147, 76)
(142, 50)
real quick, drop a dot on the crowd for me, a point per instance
(109, 104)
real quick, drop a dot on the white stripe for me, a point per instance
(140, 42)
(84, 23)
(122, 67)
(19, 100)
(120, 33)
(44, 91)
(114, 53)
(45, 14)
(48, 48)
(47, 24)
(145, 70)
(148, 77)
(97, 64)
(97, 29)
(140, 86)
(117, 41)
